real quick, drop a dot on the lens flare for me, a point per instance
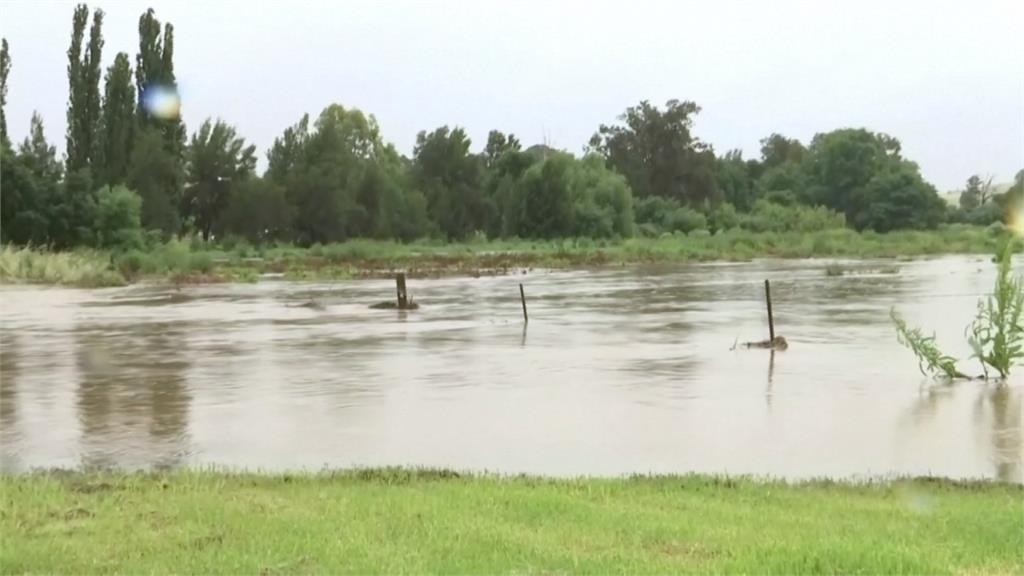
(1015, 217)
(161, 102)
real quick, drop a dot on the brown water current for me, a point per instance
(620, 370)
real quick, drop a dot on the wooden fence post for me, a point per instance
(403, 299)
(522, 298)
(771, 320)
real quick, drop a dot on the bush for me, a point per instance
(769, 217)
(175, 256)
(130, 263)
(724, 217)
(117, 223)
(200, 262)
(684, 219)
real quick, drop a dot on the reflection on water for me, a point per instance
(132, 396)
(619, 371)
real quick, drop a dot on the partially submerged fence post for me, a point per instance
(522, 298)
(771, 321)
(403, 299)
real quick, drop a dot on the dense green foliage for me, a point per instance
(434, 521)
(334, 177)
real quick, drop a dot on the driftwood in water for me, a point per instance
(392, 305)
(777, 343)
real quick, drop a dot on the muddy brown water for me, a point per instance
(623, 370)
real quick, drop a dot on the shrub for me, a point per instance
(200, 262)
(130, 263)
(117, 223)
(770, 217)
(685, 219)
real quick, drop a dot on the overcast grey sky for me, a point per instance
(946, 78)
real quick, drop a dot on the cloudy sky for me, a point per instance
(946, 78)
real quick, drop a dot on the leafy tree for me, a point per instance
(117, 221)
(497, 145)
(72, 211)
(5, 68)
(977, 193)
(216, 160)
(393, 209)
(287, 153)
(117, 123)
(897, 198)
(602, 201)
(500, 183)
(542, 204)
(777, 150)
(862, 174)
(657, 153)
(30, 180)
(450, 178)
(339, 177)
(154, 74)
(734, 179)
(259, 211)
(83, 112)
(785, 184)
(155, 174)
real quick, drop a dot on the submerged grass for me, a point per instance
(196, 261)
(397, 520)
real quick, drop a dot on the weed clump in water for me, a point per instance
(996, 335)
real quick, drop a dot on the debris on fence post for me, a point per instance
(403, 299)
(771, 320)
(522, 297)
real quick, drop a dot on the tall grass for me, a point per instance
(194, 260)
(84, 268)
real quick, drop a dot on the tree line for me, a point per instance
(131, 174)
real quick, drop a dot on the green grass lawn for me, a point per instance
(403, 521)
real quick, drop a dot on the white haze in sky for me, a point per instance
(946, 78)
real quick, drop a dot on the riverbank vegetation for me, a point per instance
(390, 521)
(197, 261)
(132, 177)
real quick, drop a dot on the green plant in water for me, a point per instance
(996, 335)
(931, 360)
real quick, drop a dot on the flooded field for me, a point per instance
(619, 371)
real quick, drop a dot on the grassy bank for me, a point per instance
(401, 521)
(195, 261)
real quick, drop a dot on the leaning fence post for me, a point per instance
(403, 299)
(771, 321)
(522, 298)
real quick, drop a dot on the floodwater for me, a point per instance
(623, 370)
